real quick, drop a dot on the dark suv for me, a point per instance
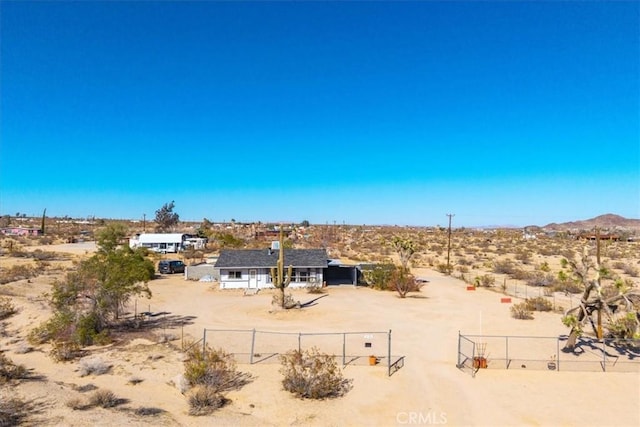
(171, 266)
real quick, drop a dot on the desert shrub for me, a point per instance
(627, 269)
(23, 348)
(289, 301)
(17, 272)
(403, 282)
(215, 369)
(520, 274)
(539, 304)
(311, 374)
(626, 327)
(538, 278)
(14, 410)
(204, 399)
(7, 308)
(462, 268)
(95, 366)
(523, 256)
(145, 411)
(63, 351)
(485, 280)
(521, 311)
(544, 266)
(443, 268)
(104, 399)
(10, 371)
(315, 288)
(504, 267)
(379, 276)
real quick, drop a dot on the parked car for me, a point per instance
(171, 266)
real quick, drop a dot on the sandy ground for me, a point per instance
(428, 390)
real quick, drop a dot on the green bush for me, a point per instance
(310, 374)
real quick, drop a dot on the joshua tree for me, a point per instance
(405, 249)
(593, 301)
(166, 218)
(280, 280)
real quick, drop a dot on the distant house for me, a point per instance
(166, 242)
(251, 268)
(21, 231)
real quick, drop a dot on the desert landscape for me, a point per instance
(471, 279)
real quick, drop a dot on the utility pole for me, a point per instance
(449, 245)
(144, 222)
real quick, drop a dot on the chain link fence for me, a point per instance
(477, 352)
(251, 346)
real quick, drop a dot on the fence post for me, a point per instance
(558, 354)
(389, 354)
(506, 339)
(604, 355)
(299, 340)
(253, 342)
(458, 365)
(204, 343)
(344, 347)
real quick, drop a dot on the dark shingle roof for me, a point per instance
(261, 258)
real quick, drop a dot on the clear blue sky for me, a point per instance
(360, 112)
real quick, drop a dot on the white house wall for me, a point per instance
(263, 280)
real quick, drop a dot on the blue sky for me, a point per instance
(360, 112)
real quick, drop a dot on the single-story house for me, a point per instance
(251, 268)
(160, 242)
(22, 231)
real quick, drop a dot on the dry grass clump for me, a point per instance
(204, 399)
(10, 371)
(7, 308)
(104, 399)
(15, 410)
(311, 374)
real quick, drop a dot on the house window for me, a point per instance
(235, 274)
(303, 276)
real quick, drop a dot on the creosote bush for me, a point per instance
(313, 375)
(521, 311)
(538, 304)
(214, 368)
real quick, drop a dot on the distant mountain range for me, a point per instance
(604, 222)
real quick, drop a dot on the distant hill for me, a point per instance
(604, 222)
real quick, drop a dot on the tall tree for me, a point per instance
(89, 300)
(166, 219)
